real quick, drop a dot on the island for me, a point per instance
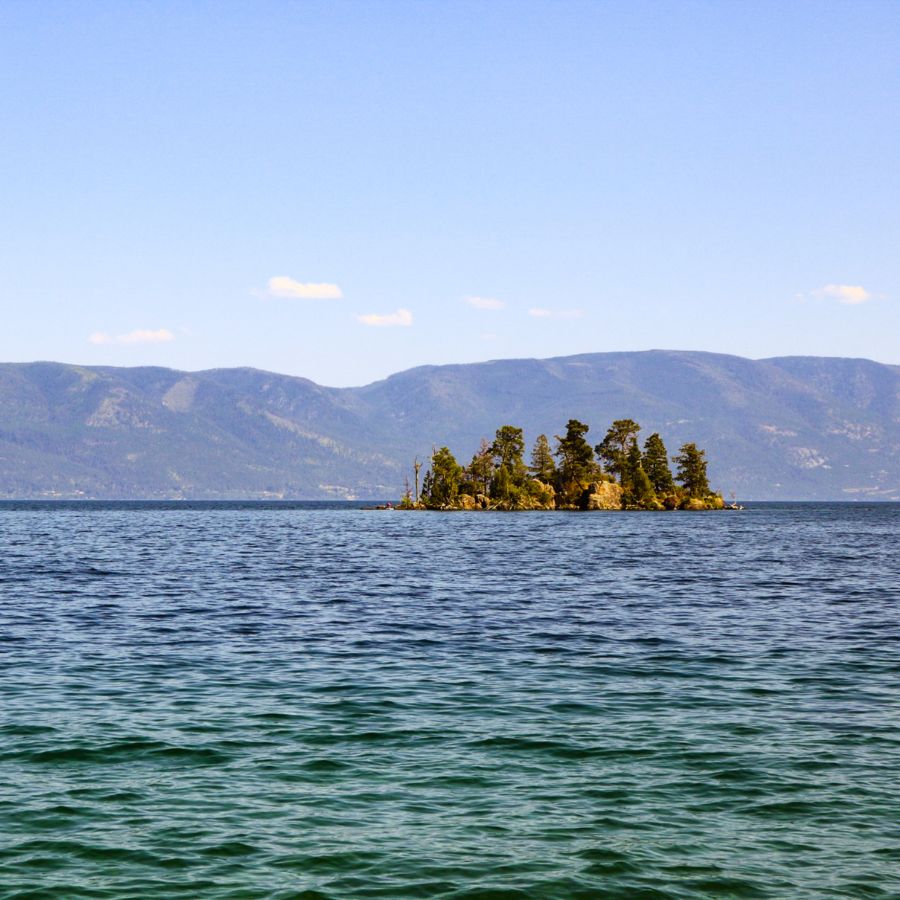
(622, 475)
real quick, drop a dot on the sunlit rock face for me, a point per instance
(602, 495)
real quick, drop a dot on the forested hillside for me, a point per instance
(787, 428)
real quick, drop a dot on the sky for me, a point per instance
(344, 190)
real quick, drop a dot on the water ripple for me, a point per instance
(263, 701)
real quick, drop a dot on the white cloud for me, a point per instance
(282, 286)
(540, 313)
(485, 303)
(852, 294)
(401, 317)
(139, 336)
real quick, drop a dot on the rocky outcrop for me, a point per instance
(695, 504)
(540, 496)
(601, 495)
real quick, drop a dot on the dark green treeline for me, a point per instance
(617, 473)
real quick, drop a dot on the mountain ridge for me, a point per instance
(794, 427)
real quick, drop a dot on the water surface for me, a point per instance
(272, 700)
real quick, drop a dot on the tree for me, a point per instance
(576, 459)
(692, 470)
(542, 466)
(406, 501)
(637, 489)
(656, 465)
(481, 469)
(613, 449)
(417, 466)
(503, 488)
(508, 448)
(441, 485)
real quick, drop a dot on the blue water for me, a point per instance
(273, 700)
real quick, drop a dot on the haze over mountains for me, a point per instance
(786, 428)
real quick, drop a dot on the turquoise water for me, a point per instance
(277, 701)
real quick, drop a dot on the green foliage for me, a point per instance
(638, 491)
(508, 448)
(406, 501)
(480, 471)
(656, 465)
(540, 494)
(691, 473)
(498, 472)
(442, 481)
(613, 449)
(504, 489)
(501, 484)
(576, 459)
(542, 465)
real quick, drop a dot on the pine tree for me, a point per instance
(481, 470)
(441, 486)
(638, 491)
(508, 448)
(576, 457)
(656, 465)
(502, 487)
(542, 466)
(613, 450)
(692, 470)
(427, 485)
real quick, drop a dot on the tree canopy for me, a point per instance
(638, 491)
(613, 449)
(508, 449)
(441, 486)
(542, 465)
(691, 473)
(497, 477)
(480, 471)
(576, 459)
(656, 465)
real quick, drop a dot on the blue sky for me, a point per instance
(343, 190)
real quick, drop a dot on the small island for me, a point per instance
(622, 475)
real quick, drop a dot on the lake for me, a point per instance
(314, 700)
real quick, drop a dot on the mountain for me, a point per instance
(786, 428)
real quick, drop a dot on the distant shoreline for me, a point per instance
(362, 505)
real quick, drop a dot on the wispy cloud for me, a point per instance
(402, 317)
(541, 313)
(282, 286)
(485, 303)
(851, 294)
(139, 336)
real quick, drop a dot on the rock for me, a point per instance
(601, 495)
(465, 501)
(541, 496)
